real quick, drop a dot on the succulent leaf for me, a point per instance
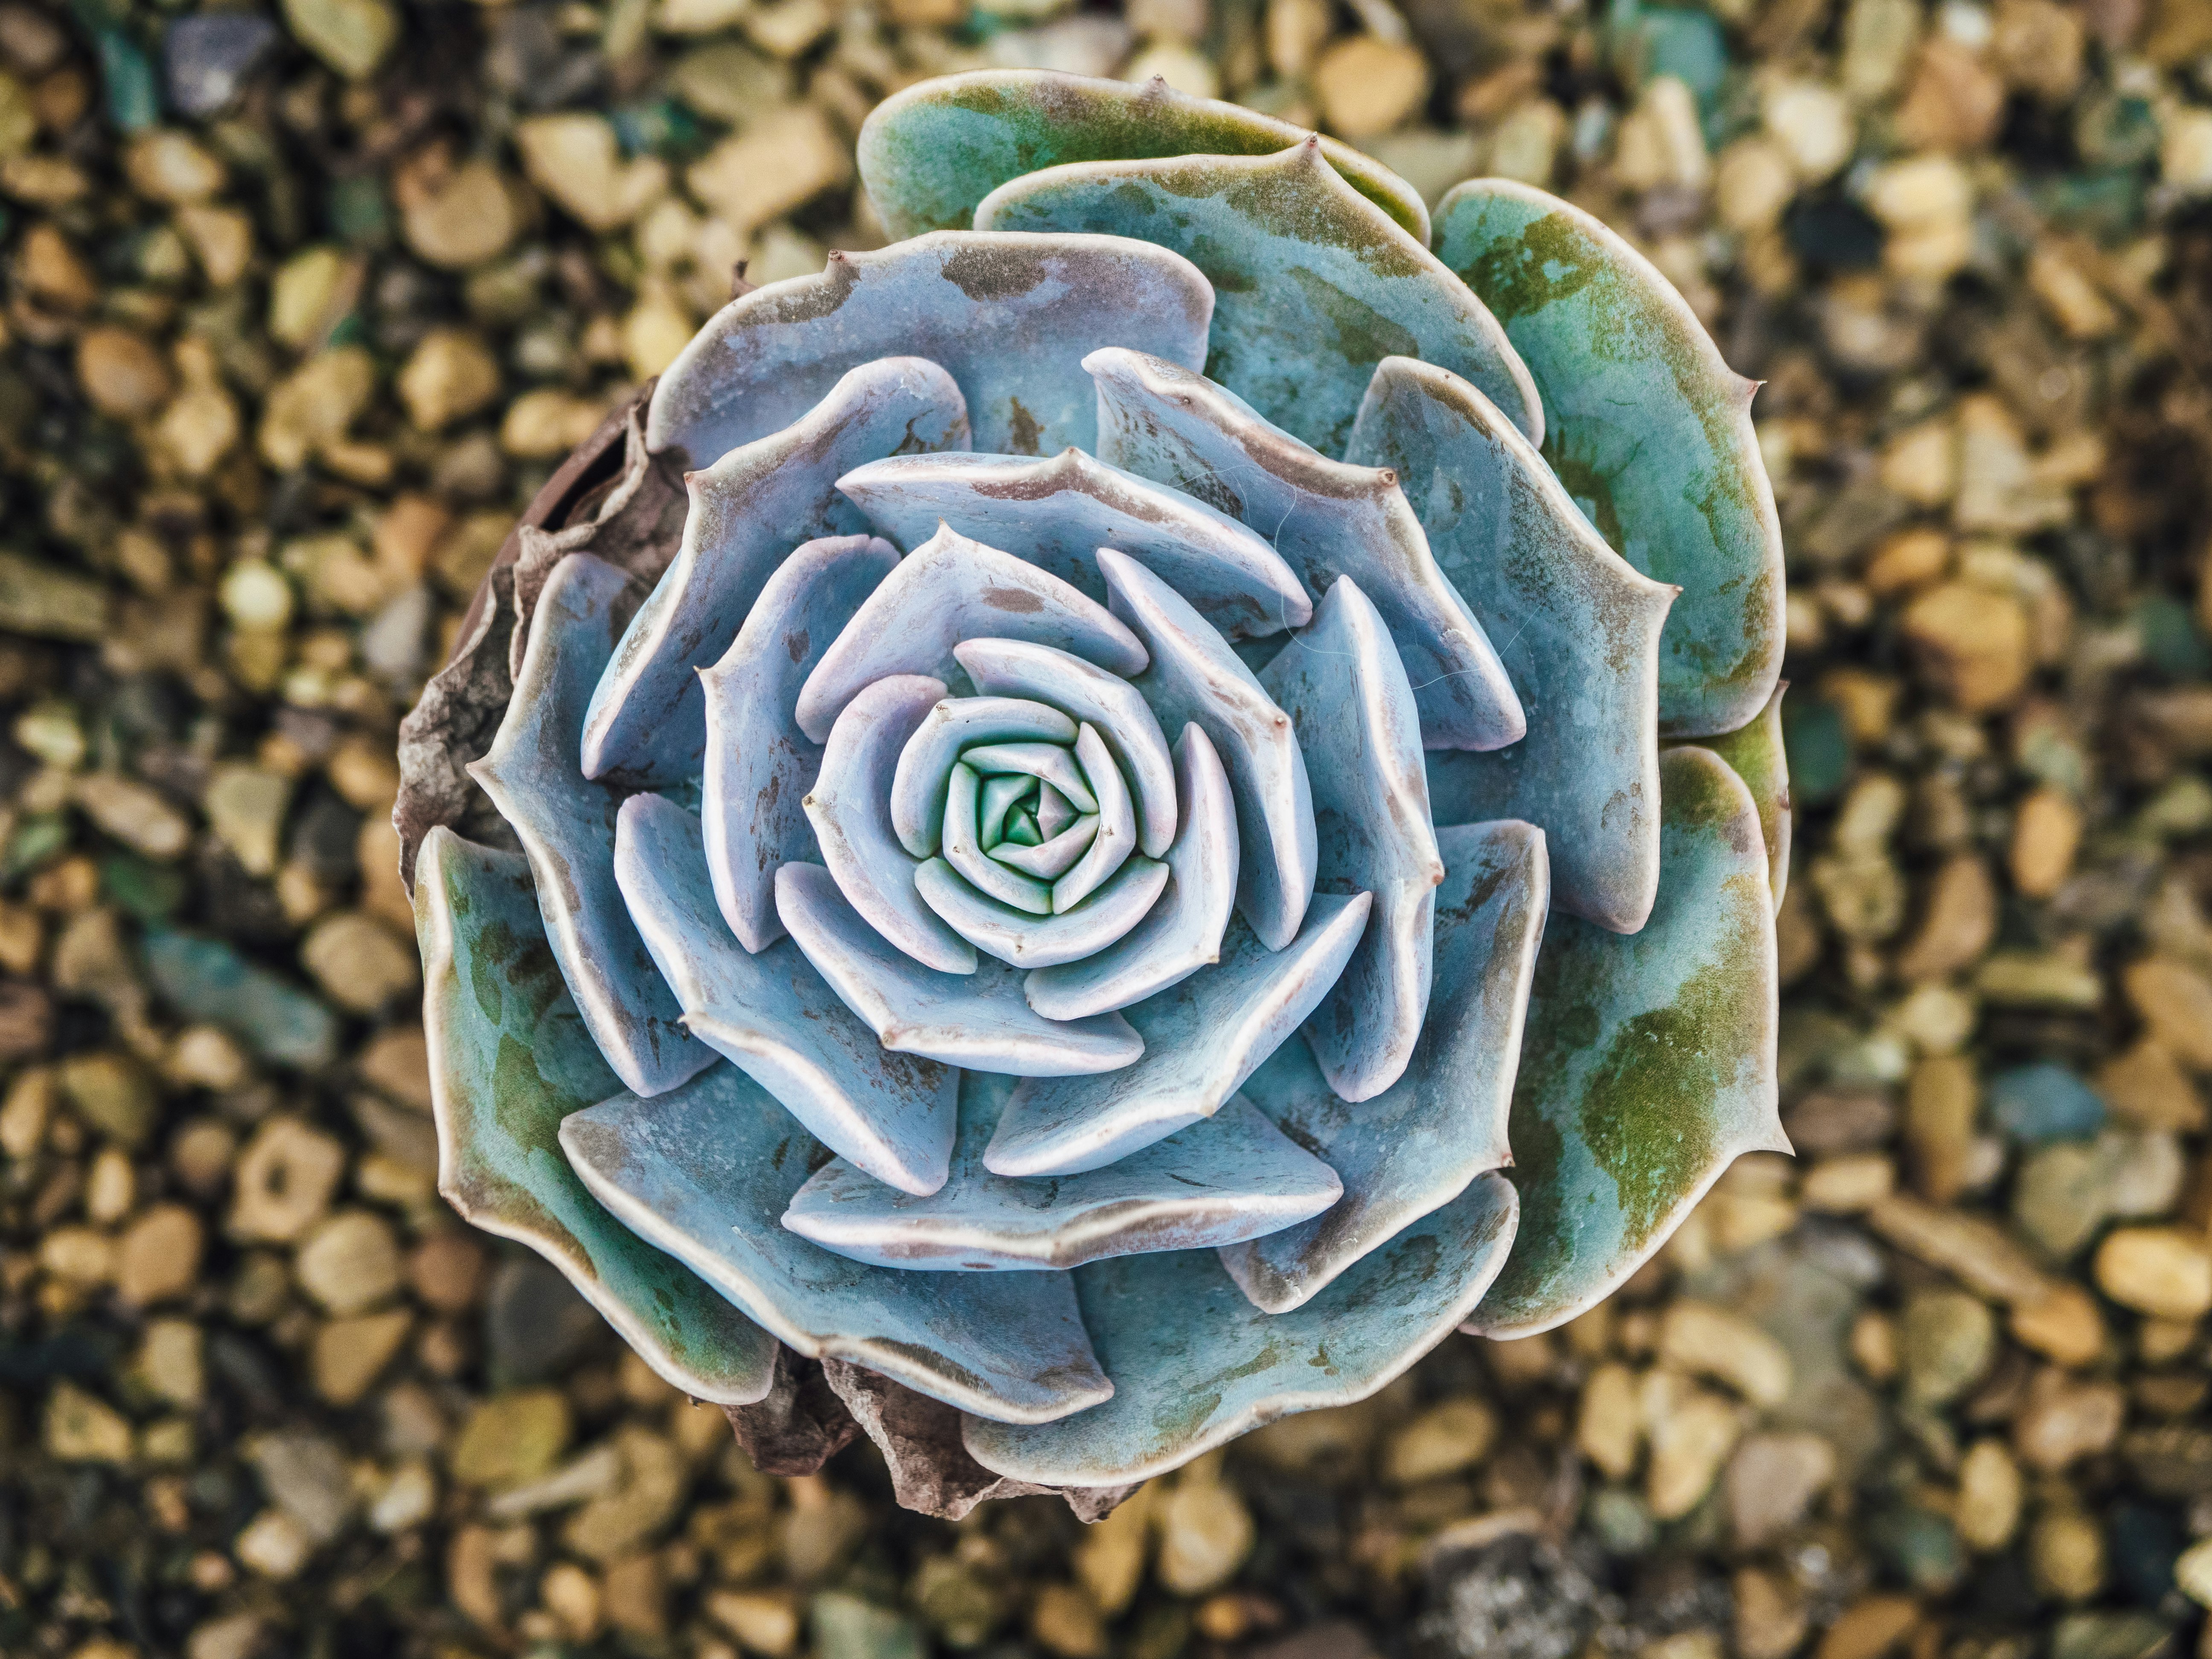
(772, 1014)
(1009, 317)
(758, 763)
(1581, 631)
(950, 589)
(1182, 932)
(566, 823)
(1194, 1364)
(1223, 1180)
(1414, 1148)
(925, 764)
(930, 153)
(1327, 519)
(1649, 1066)
(647, 721)
(509, 1060)
(1650, 430)
(979, 1019)
(1196, 679)
(850, 813)
(1125, 723)
(706, 1173)
(1755, 754)
(1057, 513)
(1345, 691)
(1023, 940)
(1202, 1039)
(1313, 283)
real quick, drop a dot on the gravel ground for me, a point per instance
(299, 311)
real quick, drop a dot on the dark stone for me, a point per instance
(535, 1324)
(206, 57)
(1839, 1120)
(324, 834)
(1830, 231)
(2145, 1543)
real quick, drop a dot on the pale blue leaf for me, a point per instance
(979, 1019)
(1203, 1037)
(1327, 519)
(510, 1059)
(707, 1173)
(1578, 628)
(849, 807)
(1057, 513)
(768, 1010)
(1023, 940)
(948, 590)
(1194, 1364)
(749, 510)
(1195, 678)
(1009, 317)
(566, 823)
(1313, 283)
(759, 764)
(1345, 690)
(1182, 932)
(1229, 1178)
(1415, 1147)
(1650, 430)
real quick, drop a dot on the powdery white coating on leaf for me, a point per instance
(1648, 429)
(1126, 723)
(1325, 519)
(930, 153)
(1229, 1178)
(1022, 940)
(705, 1174)
(951, 589)
(849, 807)
(566, 823)
(1182, 932)
(1202, 1039)
(1009, 317)
(1649, 1065)
(1195, 678)
(758, 763)
(509, 1060)
(917, 785)
(1313, 284)
(979, 1020)
(1580, 627)
(1057, 513)
(771, 1013)
(1194, 1364)
(1416, 1145)
(1346, 692)
(748, 509)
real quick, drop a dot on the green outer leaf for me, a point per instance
(1756, 754)
(1649, 1061)
(1580, 630)
(1313, 284)
(1648, 428)
(930, 154)
(509, 1058)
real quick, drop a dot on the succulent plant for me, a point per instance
(1105, 822)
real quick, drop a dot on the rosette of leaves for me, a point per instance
(1099, 824)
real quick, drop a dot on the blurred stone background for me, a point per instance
(301, 306)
